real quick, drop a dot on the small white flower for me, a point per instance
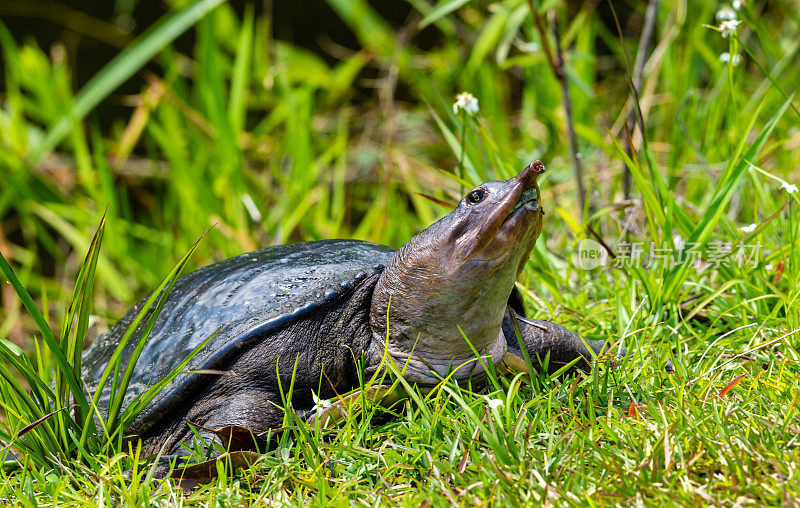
(737, 4)
(748, 229)
(728, 27)
(319, 404)
(726, 14)
(467, 102)
(726, 57)
(494, 403)
(790, 188)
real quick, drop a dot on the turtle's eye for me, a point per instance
(476, 196)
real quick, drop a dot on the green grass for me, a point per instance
(266, 143)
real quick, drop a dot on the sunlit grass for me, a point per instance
(268, 143)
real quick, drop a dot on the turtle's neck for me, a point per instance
(434, 325)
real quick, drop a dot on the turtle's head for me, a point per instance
(456, 276)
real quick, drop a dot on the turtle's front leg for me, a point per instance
(543, 337)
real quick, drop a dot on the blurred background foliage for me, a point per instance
(273, 122)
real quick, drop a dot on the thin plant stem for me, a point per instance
(732, 51)
(556, 60)
(637, 106)
(766, 73)
(463, 146)
(577, 162)
(650, 17)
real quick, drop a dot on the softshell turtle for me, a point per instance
(312, 314)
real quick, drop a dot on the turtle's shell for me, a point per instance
(242, 299)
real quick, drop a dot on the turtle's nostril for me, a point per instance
(529, 175)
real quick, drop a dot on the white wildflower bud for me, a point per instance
(494, 403)
(728, 27)
(726, 14)
(726, 57)
(467, 102)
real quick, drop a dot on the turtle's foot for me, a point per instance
(547, 341)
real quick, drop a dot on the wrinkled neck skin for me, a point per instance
(457, 274)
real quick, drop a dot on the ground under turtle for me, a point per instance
(318, 312)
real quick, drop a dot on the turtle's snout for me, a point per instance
(529, 175)
(525, 183)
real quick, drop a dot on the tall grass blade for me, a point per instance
(440, 11)
(72, 340)
(52, 344)
(120, 385)
(122, 67)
